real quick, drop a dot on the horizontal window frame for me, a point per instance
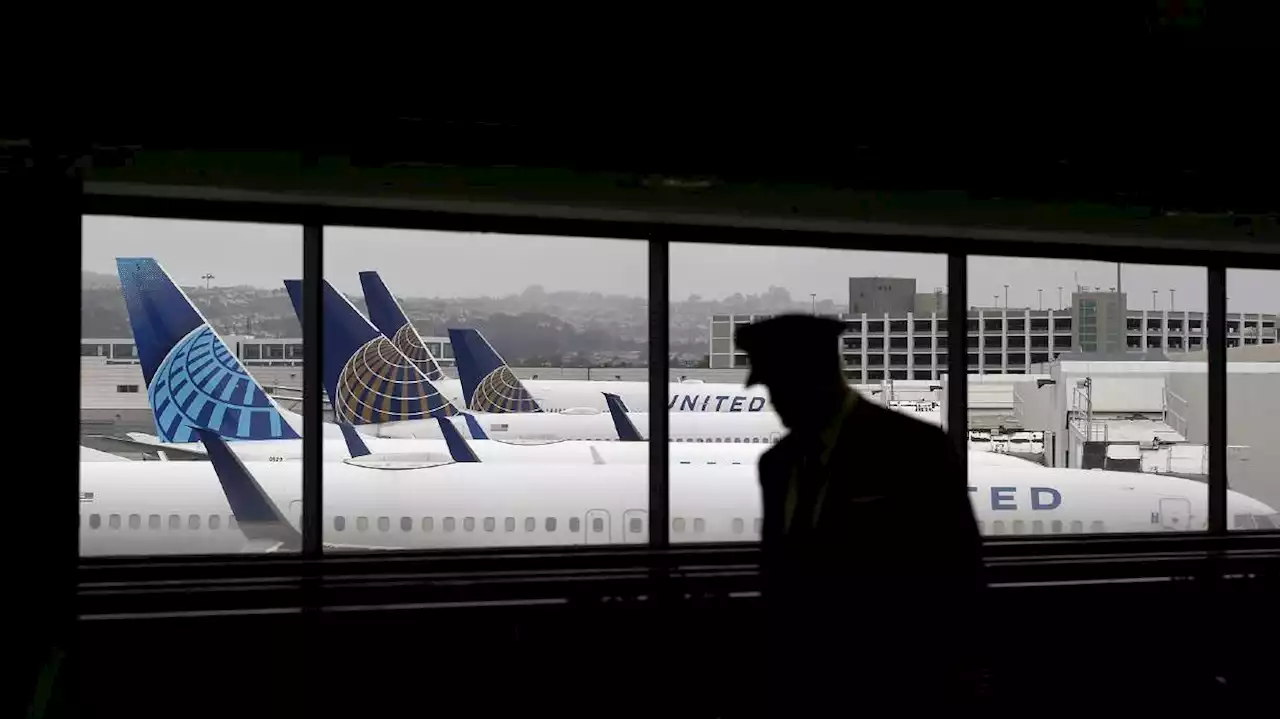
(958, 246)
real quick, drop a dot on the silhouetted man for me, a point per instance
(872, 558)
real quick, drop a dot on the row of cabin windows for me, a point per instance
(1038, 526)
(194, 521)
(698, 525)
(489, 524)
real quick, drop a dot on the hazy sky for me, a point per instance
(448, 264)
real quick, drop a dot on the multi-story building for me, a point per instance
(251, 351)
(893, 296)
(911, 346)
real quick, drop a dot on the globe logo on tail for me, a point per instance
(500, 392)
(201, 384)
(407, 341)
(379, 384)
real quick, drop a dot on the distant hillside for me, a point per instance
(231, 310)
(535, 327)
(98, 281)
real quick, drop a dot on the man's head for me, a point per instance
(798, 358)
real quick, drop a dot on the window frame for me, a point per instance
(958, 247)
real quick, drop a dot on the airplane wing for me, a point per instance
(120, 444)
(88, 454)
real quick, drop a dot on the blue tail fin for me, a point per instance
(355, 444)
(473, 424)
(390, 319)
(487, 382)
(627, 431)
(367, 379)
(193, 378)
(458, 447)
(259, 517)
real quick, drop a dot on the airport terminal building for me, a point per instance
(895, 333)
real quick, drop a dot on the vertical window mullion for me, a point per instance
(659, 377)
(957, 360)
(1216, 321)
(312, 411)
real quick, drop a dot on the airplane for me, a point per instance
(167, 327)
(384, 394)
(228, 506)
(491, 386)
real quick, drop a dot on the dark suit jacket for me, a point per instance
(883, 590)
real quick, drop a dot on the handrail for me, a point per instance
(132, 588)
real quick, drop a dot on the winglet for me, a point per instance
(488, 384)
(627, 431)
(387, 315)
(458, 447)
(617, 398)
(259, 517)
(355, 445)
(473, 424)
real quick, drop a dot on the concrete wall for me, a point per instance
(1252, 400)
(882, 295)
(1033, 408)
(931, 303)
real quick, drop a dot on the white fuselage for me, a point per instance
(570, 452)
(179, 507)
(752, 427)
(558, 395)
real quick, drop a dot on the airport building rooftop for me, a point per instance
(1004, 340)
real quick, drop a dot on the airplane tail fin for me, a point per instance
(355, 444)
(627, 431)
(488, 383)
(367, 379)
(259, 518)
(193, 379)
(458, 447)
(387, 315)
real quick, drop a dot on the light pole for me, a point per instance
(995, 300)
(1006, 297)
(206, 277)
(1040, 298)
(813, 303)
(1154, 293)
(1171, 291)
(1059, 296)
